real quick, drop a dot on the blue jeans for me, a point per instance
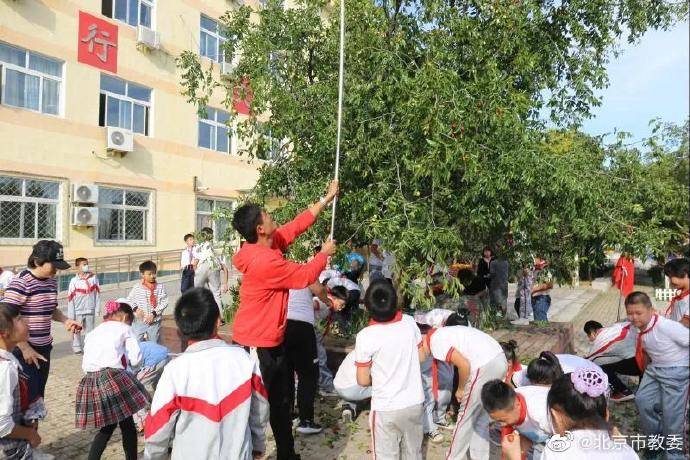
(541, 305)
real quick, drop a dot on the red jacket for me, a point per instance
(266, 281)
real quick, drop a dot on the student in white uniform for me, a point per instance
(662, 353)
(540, 373)
(352, 393)
(613, 348)
(522, 410)
(479, 359)
(388, 353)
(678, 272)
(578, 408)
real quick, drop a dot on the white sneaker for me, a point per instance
(328, 393)
(435, 436)
(520, 322)
(346, 416)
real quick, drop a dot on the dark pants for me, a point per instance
(300, 348)
(187, 281)
(540, 306)
(37, 377)
(280, 384)
(129, 440)
(624, 367)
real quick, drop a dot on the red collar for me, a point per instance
(523, 409)
(429, 333)
(396, 318)
(675, 299)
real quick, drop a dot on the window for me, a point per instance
(28, 208)
(30, 80)
(205, 208)
(214, 131)
(123, 214)
(132, 12)
(124, 105)
(212, 40)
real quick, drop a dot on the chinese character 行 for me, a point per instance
(92, 38)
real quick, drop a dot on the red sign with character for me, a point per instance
(97, 42)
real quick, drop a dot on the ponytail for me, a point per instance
(544, 370)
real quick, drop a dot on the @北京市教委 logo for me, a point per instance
(558, 443)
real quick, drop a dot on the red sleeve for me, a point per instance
(285, 274)
(286, 234)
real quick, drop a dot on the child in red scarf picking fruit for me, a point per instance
(148, 300)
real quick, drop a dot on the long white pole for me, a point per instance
(341, 76)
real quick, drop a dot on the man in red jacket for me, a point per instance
(260, 320)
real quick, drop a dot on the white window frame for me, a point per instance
(26, 70)
(22, 240)
(132, 101)
(220, 39)
(215, 124)
(148, 218)
(214, 201)
(150, 3)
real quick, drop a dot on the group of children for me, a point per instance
(409, 368)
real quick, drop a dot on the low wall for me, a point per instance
(532, 340)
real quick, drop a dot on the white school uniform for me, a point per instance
(612, 344)
(678, 308)
(487, 362)
(589, 445)
(568, 363)
(107, 343)
(535, 425)
(666, 342)
(435, 318)
(345, 381)
(390, 349)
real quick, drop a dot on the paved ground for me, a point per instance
(338, 441)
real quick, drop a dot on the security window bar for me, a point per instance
(123, 214)
(30, 80)
(132, 12)
(214, 132)
(28, 208)
(124, 105)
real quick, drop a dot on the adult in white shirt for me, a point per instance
(375, 261)
(208, 267)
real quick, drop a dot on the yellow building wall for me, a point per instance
(72, 147)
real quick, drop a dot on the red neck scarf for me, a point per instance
(152, 297)
(510, 429)
(680, 296)
(639, 349)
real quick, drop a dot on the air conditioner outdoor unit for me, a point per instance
(149, 38)
(84, 193)
(84, 217)
(120, 140)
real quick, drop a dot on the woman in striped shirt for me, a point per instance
(34, 290)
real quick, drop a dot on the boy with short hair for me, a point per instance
(388, 353)
(186, 264)
(82, 301)
(613, 348)
(210, 401)
(678, 272)
(662, 353)
(148, 300)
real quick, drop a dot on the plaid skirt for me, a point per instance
(107, 397)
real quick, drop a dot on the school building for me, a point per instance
(99, 149)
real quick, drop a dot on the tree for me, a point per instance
(443, 147)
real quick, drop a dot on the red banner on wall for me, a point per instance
(97, 42)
